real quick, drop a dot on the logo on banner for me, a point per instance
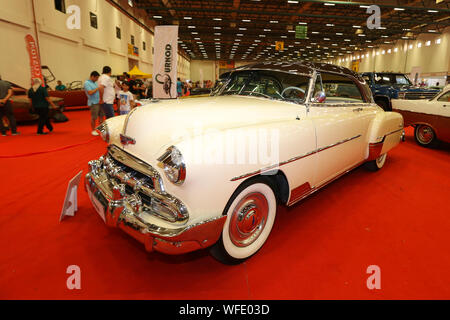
(35, 63)
(165, 62)
(165, 79)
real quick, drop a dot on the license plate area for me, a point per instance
(98, 206)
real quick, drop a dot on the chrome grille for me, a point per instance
(419, 95)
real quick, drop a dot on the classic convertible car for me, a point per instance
(181, 175)
(430, 118)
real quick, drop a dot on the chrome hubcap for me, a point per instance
(248, 219)
(425, 134)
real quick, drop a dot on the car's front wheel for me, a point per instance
(250, 214)
(425, 135)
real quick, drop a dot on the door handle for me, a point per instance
(358, 109)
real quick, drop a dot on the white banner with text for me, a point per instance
(165, 62)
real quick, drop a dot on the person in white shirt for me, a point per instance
(126, 98)
(107, 92)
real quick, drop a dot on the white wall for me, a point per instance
(71, 54)
(432, 60)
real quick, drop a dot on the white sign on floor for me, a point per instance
(70, 205)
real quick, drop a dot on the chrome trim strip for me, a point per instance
(293, 159)
(125, 124)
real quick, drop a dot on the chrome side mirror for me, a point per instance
(319, 97)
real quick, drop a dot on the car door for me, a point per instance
(341, 123)
(441, 110)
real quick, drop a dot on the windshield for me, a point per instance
(267, 84)
(398, 79)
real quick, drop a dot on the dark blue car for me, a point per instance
(386, 86)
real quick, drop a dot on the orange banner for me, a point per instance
(35, 63)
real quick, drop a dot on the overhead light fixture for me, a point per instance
(339, 34)
(330, 25)
(433, 11)
(191, 27)
(187, 18)
(292, 1)
(399, 9)
(267, 30)
(217, 28)
(217, 19)
(357, 27)
(157, 17)
(329, 4)
(273, 21)
(303, 23)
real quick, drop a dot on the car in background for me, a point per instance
(185, 174)
(430, 118)
(386, 86)
(21, 105)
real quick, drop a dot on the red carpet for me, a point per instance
(398, 219)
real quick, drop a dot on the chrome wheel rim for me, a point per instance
(425, 134)
(248, 219)
(381, 160)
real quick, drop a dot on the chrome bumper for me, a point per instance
(124, 211)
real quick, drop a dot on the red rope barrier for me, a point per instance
(47, 151)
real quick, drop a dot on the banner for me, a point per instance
(35, 63)
(279, 45)
(165, 62)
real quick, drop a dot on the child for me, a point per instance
(126, 98)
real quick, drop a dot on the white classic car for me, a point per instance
(182, 175)
(430, 117)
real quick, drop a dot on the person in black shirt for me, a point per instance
(39, 102)
(5, 108)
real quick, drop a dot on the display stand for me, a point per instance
(70, 205)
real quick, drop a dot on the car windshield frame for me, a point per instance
(266, 77)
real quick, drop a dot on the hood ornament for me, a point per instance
(124, 140)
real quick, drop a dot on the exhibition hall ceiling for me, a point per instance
(313, 29)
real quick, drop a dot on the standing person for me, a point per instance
(179, 87)
(107, 92)
(5, 107)
(40, 100)
(126, 98)
(93, 95)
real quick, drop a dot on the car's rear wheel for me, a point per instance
(377, 164)
(425, 135)
(250, 214)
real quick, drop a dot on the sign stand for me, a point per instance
(70, 205)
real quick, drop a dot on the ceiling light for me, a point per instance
(217, 28)
(303, 23)
(357, 27)
(330, 25)
(339, 34)
(273, 21)
(329, 4)
(157, 17)
(433, 11)
(399, 9)
(187, 18)
(267, 30)
(246, 20)
(243, 29)
(217, 19)
(191, 27)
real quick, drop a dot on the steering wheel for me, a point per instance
(262, 94)
(294, 88)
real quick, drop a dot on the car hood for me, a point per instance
(161, 124)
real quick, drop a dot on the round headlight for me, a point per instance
(173, 164)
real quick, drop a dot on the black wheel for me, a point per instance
(425, 136)
(251, 213)
(384, 104)
(376, 164)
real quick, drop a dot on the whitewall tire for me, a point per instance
(250, 214)
(377, 164)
